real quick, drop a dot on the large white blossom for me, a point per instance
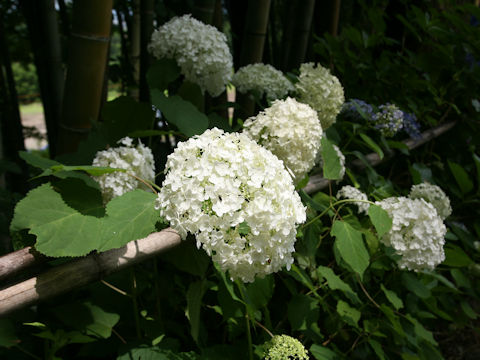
(137, 161)
(417, 233)
(264, 79)
(200, 50)
(291, 131)
(237, 199)
(434, 195)
(350, 192)
(321, 90)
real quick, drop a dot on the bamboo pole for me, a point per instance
(317, 182)
(146, 30)
(83, 271)
(87, 54)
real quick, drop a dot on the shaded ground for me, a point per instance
(36, 131)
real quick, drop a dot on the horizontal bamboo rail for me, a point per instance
(317, 182)
(95, 266)
(85, 270)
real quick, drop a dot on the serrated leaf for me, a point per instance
(63, 231)
(331, 161)
(129, 217)
(260, 291)
(161, 73)
(302, 311)
(380, 219)
(350, 246)
(183, 114)
(350, 315)
(336, 283)
(89, 169)
(372, 144)
(322, 353)
(392, 297)
(47, 164)
(88, 318)
(461, 177)
(456, 257)
(420, 331)
(194, 302)
(377, 348)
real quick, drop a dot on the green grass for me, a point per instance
(32, 108)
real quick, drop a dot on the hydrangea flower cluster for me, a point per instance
(137, 161)
(350, 192)
(417, 232)
(357, 109)
(411, 126)
(434, 195)
(237, 199)
(264, 79)
(200, 50)
(291, 131)
(282, 347)
(389, 119)
(321, 90)
(341, 157)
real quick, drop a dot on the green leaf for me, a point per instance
(392, 297)
(336, 283)
(194, 302)
(380, 219)
(420, 331)
(186, 257)
(331, 161)
(123, 116)
(260, 291)
(88, 318)
(350, 246)
(302, 311)
(348, 314)
(377, 348)
(221, 122)
(183, 114)
(47, 164)
(372, 144)
(79, 196)
(161, 73)
(320, 352)
(461, 177)
(416, 286)
(63, 231)
(456, 257)
(7, 333)
(244, 228)
(89, 169)
(467, 309)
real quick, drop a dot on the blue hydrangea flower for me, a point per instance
(411, 126)
(389, 119)
(357, 109)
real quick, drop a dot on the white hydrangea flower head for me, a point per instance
(201, 51)
(291, 131)
(237, 199)
(264, 79)
(434, 195)
(321, 90)
(341, 158)
(282, 347)
(350, 192)
(417, 233)
(137, 160)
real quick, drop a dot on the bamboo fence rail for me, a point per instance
(95, 266)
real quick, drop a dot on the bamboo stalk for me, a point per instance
(87, 54)
(83, 271)
(146, 30)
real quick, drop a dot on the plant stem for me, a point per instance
(247, 323)
(135, 304)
